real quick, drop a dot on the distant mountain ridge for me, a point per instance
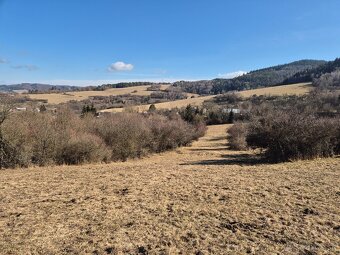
(265, 77)
(41, 88)
(314, 73)
(36, 87)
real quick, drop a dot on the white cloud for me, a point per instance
(120, 66)
(27, 67)
(232, 74)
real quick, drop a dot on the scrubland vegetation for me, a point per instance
(292, 128)
(65, 138)
(202, 199)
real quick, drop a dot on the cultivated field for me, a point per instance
(57, 98)
(202, 199)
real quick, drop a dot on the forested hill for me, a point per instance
(270, 76)
(310, 74)
(126, 85)
(32, 87)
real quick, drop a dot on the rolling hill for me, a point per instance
(36, 87)
(310, 74)
(57, 98)
(265, 77)
(294, 89)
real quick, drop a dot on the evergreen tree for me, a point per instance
(189, 114)
(152, 108)
(231, 117)
(42, 108)
(87, 109)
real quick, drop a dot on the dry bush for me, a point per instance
(131, 135)
(336, 138)
(43, 139)
(292, 135)
(46, 139)
(16, 132)
(37, 137)
(127, 134)
(200, 129)
(237, 136)
(328, 80)
(167, 134)
(8, 155)
(83, 148)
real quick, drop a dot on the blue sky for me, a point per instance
(83, 42)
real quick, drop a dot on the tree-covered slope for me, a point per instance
(265, 77)
(310, 74)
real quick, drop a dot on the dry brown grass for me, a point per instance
(294, 89)
(202, 199)
(58, 98)
(81, 95)
(166, 105)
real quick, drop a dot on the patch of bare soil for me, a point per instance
(202, 199)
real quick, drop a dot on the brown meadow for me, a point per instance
(203, 199)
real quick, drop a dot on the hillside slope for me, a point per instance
(294, 89)
(36, 87)
(202, 199)
(265, 77)
(314, 73)
(57, 98)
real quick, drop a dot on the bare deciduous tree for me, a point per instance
(5, 148)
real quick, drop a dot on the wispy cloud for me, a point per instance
(26, 67)
(232, 74)
(3, 61)
(120, 66)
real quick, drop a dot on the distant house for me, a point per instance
(20, 91)
(21, 109)
(234, 110)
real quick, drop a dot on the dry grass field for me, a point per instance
(166, 105)
(294, 89)
(202, 199)
(57, 98)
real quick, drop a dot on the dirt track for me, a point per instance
(202, 199)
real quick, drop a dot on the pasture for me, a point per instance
(57, 98)
(295, 89)
(203, 199)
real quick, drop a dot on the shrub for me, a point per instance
(168, 135)
(8, 155)
(237, 136)
(292, 135)
(200, 129)
(43, 138)
(84, 148)
(16, 133)
(126, 134)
